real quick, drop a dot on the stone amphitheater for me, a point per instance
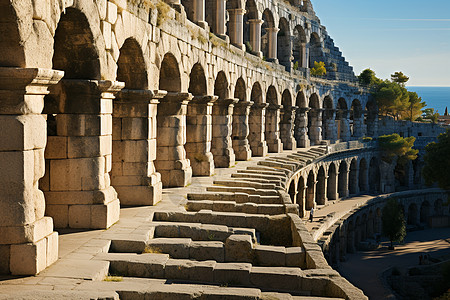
(203, 119)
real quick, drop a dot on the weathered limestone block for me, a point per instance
(28, 243)
(315, 127)
(241, 145)
(359, 128)
(272, 133)
(199, 135)
(209, 250)
(175, 247)
(134, 146)
(85, 199)
(342, 115)
(301, 128)
(239, 248)
(256, 125)
(287, 127)
(279, 278)
(329, 122)
(270, 256)
(189, 270)
(171, 161)
(232, 273)
(222, 145)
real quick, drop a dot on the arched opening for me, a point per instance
(197, 81)
(363, 178)
(350, 237)
(343, 180)
(315, 50)
(374, 175)
(291, 191)
(413, 215)
(13, 54)
(272, 130)
(356, 121)
(328, 119)
(240, 90)
(358, 232)
(342, 122)
(314, 120)
(251, 23)
(370, 225)
(438, 207)
(301, 196)
(425, 210)
(287, 122)
(256, 122)
(240, 127)
(310, 190)
(401, 176)
(169, 74)
(332, 183)
(221, 86)
(284, 45)
(321, 187)
(371, 118)
(301, 121)
(267, 25)
(353, 178)
(299, 48)
(73, 124)
(131, 66)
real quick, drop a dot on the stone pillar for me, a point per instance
(372, 124)
(255, 36)
(272, 44)
(134, 147)
(287, 127)
(171, 159)
(220, 24)
(81, 147)
(321, 193)
(256, 124)
(240, 130)
(305, 57)
(199, 13)
(343, 184)
(199, 135)
(329, 121)
(272, 133)
(236, 27)
(301, 128)
(315, 128)
(222, 146)
(342, 116)
(28, 243)
(332, 187)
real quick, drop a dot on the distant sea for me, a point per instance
(435, 97)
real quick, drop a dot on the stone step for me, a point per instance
(277, 165)
(231, 206)
(268, 169)
(240, 183)
(185, 248)
(237, 197)
(268, 172)
(247, 190)
(278, 183)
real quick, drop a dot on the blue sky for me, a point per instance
(412, 36)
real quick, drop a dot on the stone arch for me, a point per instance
(358, 231)
(425, 211)
(272, 96)
(413, 215)
(299, 47)
(438, 207)
(268, 23)
(378, 220)
(256, 122)
(292, 192)
(315, 49)
(310, 190)
(321, 187)
(221, 86)
(286, 98)
(300, 100)
(353, 184)
(131, 66)
(363, 227)
(328, 119)
(363, 175)
(374, 175)
(343, 180)
(332, 183)
(13, 52)
(197, 81)
(169, 74)
(370, 224)
(350, 237)
(356, 119)
(301, 196)
(240, 91)
(284, 52)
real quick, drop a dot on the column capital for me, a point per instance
(140, 96)
(303, 110)
(260, 105)
(256, 21)
(226, 102)
(237, 11)
(273, 29)
(290, 108)
(204, 99)
(273, 106)
(244, 104)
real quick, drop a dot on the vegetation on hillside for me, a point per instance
(393, 145)
(393, 222)
(318, 69)
(437, 162)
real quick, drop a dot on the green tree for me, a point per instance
(393, 145)
(415, 105)
(399, 78)
(318, 69)
(369, 78)
(429, 114)
(437, 162)
(393, 222)
(392, 99)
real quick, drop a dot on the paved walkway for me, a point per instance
(363, 269)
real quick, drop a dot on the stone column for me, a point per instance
(287, 127)
(171, 159)
(305, 57)
(255, 36)
(199, 13)
(199, 135)
(134, 147)
(315, 128)
(372, 124)
(222, 146)
(301, 128)
(220, 24)
(272, 133)
(236, 27)
(256, 124)
(79, 155)
(28, 243)
(272, 44)
(342, 115)
(359, 128)
(329, 120)
(240, 130)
